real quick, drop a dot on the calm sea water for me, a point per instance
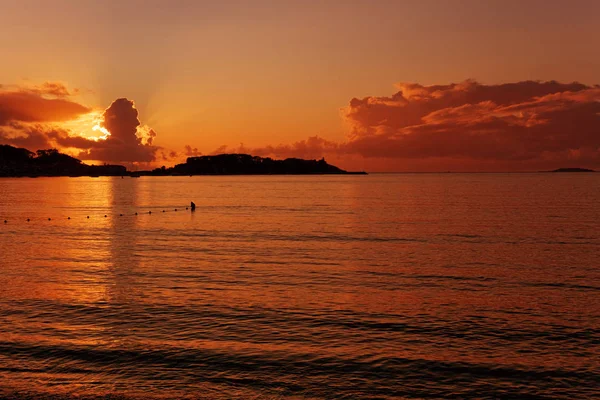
(380, 286)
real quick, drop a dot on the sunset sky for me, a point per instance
(373, 85)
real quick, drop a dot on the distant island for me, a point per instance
(19, 162)
(573, 170)
(245, 164)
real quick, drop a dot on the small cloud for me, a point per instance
(220, 150)
(57, 89)
(191, 152)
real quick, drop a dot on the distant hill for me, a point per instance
(573, 170)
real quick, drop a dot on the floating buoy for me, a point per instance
(68, 217)
(88, 217)
(5, 221)
(49, 219)
(186, 208)
(27, 219)
(149, 212)
(135, 213)
(175, 210)
(104, 215)
(163, 210)
(120, 215)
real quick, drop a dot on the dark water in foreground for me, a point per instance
(379, 286)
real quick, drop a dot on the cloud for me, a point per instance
(57, 89)
(29, 114)
(311, 148)
(468, 125)
(31, 136)
(44, 103)
(169, 155)
(45, 115)
(191, 152)
(519, 122)
(128, 140)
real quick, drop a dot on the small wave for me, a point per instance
(303, 374)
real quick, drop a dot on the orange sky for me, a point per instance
(271, 75)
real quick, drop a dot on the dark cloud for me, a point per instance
(27, 136)
(40, 136)
(169, 155)
(126, 142)
(519, 121)
(413, 102)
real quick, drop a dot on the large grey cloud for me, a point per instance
(126, 143)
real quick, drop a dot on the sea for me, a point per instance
(380, 286)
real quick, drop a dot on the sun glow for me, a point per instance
(88, 126)
(105, 132)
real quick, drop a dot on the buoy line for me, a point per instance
(7, 221)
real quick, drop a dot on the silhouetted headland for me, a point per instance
(245, 164)
(18, 162)
(573, 170)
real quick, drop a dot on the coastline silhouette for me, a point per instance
(19, 162)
